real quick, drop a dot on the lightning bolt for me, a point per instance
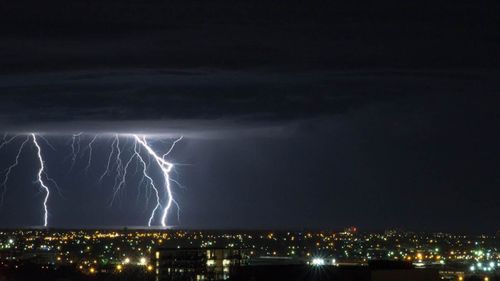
(106, 171)
(120, 172)
(41, 173)
(8, 170)
(172, 147)
(164, 165)
(119, 161)
(137, 155)
(89, 161)
(157, 194)
(166, 168)
(6, 141)
(75, 140)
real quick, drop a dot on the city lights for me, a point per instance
(94, 251)
(318, 262)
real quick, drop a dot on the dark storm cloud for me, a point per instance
(61, 35)
(135, 65)
(209, 100)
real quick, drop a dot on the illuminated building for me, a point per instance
(196, 264)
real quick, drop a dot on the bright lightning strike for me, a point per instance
(120, 159)
(136, 155)
(119, 167)
(165, 167)
(41, 173)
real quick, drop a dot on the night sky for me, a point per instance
(294, 116)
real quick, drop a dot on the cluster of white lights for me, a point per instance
(321, 261)
(488, 267)
(318, 262)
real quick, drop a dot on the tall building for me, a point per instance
(197, 264)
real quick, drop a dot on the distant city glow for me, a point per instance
(129, 249)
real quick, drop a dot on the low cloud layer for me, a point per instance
(211, 102)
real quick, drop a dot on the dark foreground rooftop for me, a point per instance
(326, 273)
